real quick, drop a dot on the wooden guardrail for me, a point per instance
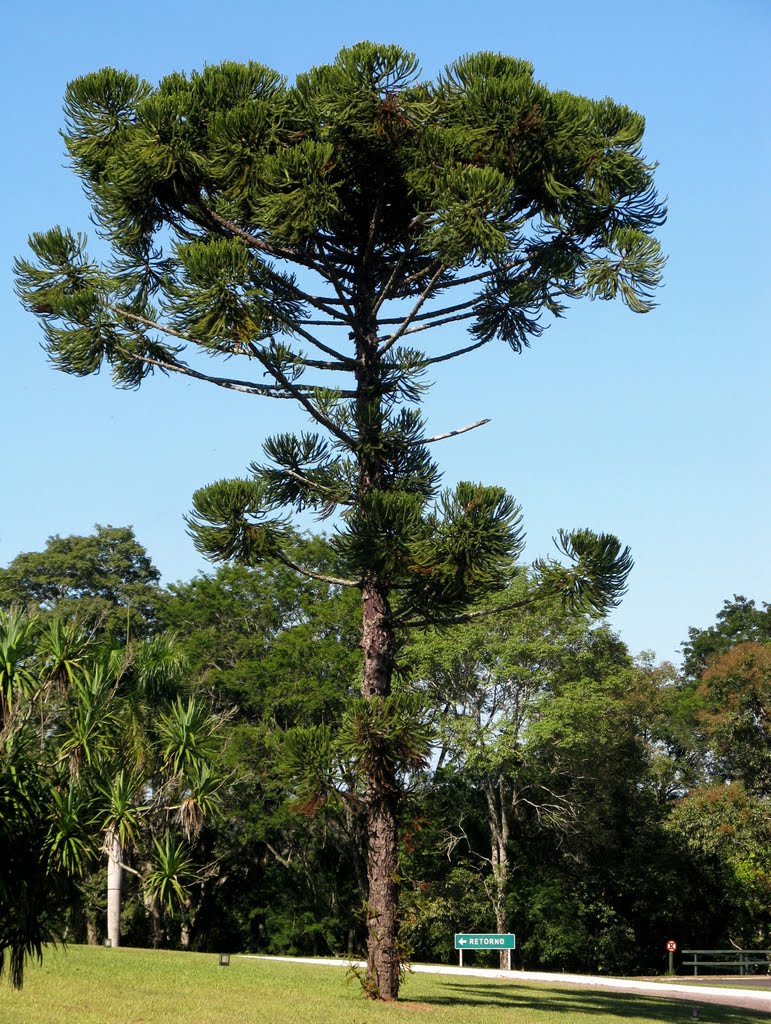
(745, 961)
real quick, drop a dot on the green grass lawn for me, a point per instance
(91, 985)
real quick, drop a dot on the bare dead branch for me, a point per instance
(451, 433)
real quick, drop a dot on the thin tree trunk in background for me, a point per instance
(152, 907)
(114, 883)
(188, 923)
(498, 821)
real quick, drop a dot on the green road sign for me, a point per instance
(482, 941)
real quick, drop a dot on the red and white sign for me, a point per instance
(671, 946)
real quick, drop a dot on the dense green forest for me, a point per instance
(199, 736)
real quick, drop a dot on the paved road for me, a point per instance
(753, 981)
(746, 999)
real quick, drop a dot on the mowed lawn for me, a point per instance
(91, 985)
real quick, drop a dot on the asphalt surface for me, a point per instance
(753, 981)
(756, 996)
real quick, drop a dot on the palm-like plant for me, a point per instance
(200, 798)
(163, 761)
(121, 824)
(16, 646)
(63, 648)
(70, 835)
(173, 872)
(44, 822)
(187, 734)
(89, 734)
(88, 761)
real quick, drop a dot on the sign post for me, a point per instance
(671, 949)
(484, 940)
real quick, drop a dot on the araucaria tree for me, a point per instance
(321, 234)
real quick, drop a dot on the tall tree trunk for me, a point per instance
(382, 952)
(114, 883)
(382, 806)
(378, 646)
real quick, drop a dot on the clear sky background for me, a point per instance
(653, 427)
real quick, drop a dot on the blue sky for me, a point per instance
(653, 427)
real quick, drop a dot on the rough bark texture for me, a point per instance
(378, 646)
(383, 954)
(382, 805)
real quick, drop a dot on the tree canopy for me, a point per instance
(738, 621)
(104, 580)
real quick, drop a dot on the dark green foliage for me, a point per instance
(274, 648)
(33, 892)
(738, 621)
(103, 581)
(386, 738)
(280, 655)
(601, 568)
(726, 832)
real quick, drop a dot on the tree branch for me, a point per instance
(483, 274)
(389, 284)
(433, 313)
(420, 273)
(451, 433)
(245, 387)
(399, 332)
(454, 620)
(316, 486)
(313, 575)
(132, 871)
(453, 355)
(332, 276)
(439, 323)
(285, 862)
(291, 255)
(297, 393)
(345, 362)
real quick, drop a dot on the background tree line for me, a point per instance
(197, 737)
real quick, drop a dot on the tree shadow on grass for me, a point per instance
(604, 1006)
